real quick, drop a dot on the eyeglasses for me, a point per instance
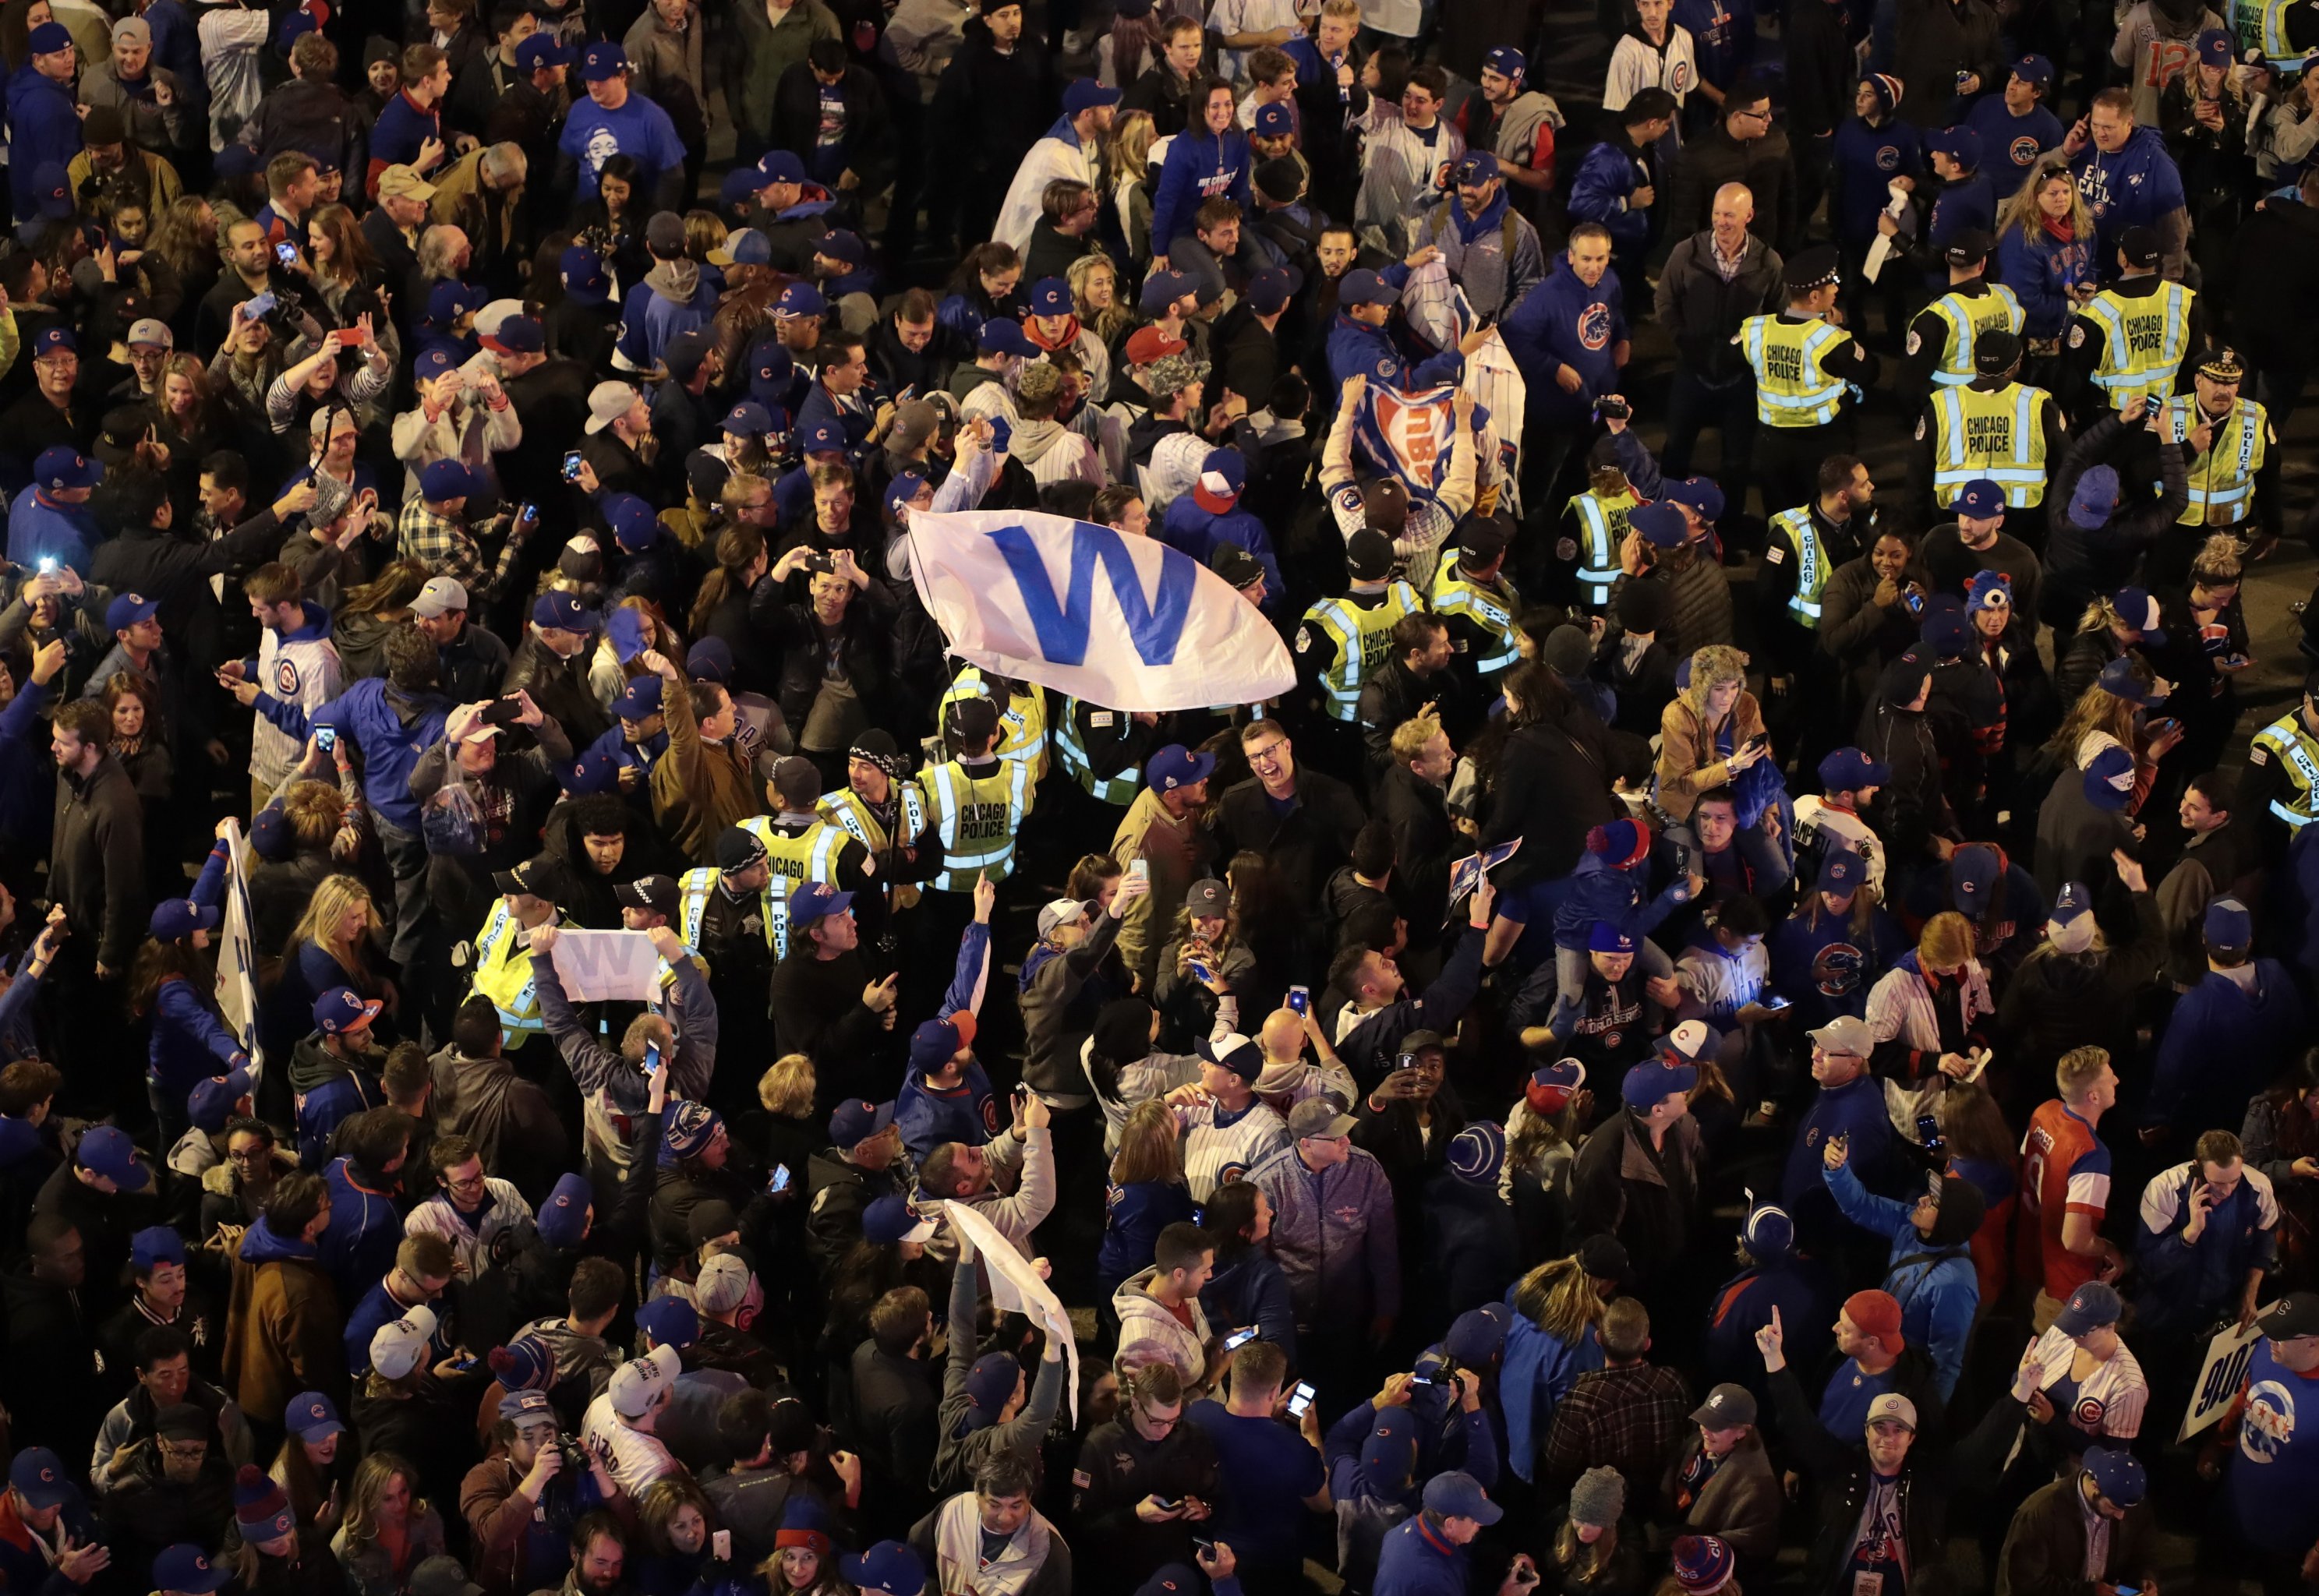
(1765, 114)
(1270, 755)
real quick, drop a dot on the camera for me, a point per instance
(1614, 409)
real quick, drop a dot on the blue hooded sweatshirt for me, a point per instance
(39, 528)
(1197, 532)
(2041, 269)
(1866, 159)
(1357, 348)
(1564, 322)
(43, 126)
(1598, 889)
(357, 1247)
(1938, 1290)
(2133, 188)
(1599, 192)
(1200, 167)
(1824, 969)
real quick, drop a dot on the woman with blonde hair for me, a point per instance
(1712, 732)
(1095, 296)
(1146, 1194)
(793, 1135)
(331, 946)
(192, 421)
(2045, 254)
(389, 1529)
(1128, 159)
(1931, 1013)
(2103, 633)
(1553, 1338)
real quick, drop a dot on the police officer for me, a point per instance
(1022, 716)
(2290, 31)
(2131, 339)
(886, 812)
(802, 844)
(1803, 546)
(1598, 517)
(976, 801)
(2281, 781)
(503, 948)
(725, 915)
(1995, 427)
(2233, 476)
(1805, 363)
(1340, 642)
(1477, 602)
(1943, 337)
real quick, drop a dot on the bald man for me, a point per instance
(1712, 386)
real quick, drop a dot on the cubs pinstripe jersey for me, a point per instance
(1220, 1148)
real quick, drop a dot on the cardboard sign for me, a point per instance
(2220, 1376)
(601, 966)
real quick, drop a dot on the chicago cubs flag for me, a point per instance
(1408, 434)
(237, 961)
(1125, 622)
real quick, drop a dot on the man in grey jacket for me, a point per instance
(1334, 1234)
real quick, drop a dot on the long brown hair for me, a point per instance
(1560, 1297)
(352, 262)
(372, 1476)
(185, 233)
(738, 547)
(1150, 1148)
(388, 594)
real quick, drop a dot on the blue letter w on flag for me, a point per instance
(1062, 625)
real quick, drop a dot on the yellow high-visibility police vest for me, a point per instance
(2280, 56)
(1998, 434)
(1792, 390)
(1811, 563)
(1119, 788)
(2299, 756)
(1603, 527)
(1494, 612)
(2144, 342)
(1970, 315)
(846, 808)
(977, 819)
(503, 974)
(2222, 480)
(1022, 720)
(1362, 637)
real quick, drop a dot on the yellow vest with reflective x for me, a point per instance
(1997, 434)
(1811, 563)
(1602, 528)
(1118, 788)
(503, 974)
(2281, 56)
(810, 855)
(846, 808)
(1022, 720)
(1970, 315)
(2297, 752)
(1493, 611)
(2143, 340)
(977, 820)
(2222, 480)
(1362, 637)
(1792, 390)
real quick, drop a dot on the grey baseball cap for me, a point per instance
(440, 596)
(149, 331)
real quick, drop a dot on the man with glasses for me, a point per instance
(424, 1266)
(1303, 822)
(178, 1488)
(520, 1505)
(1745, 149)
(484, 1219)
(1145, 1481)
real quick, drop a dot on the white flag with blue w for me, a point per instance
(1124, 622)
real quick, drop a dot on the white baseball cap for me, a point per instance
(638, 1385)
(400, 1345)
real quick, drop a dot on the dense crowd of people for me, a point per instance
(1734, 1029)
